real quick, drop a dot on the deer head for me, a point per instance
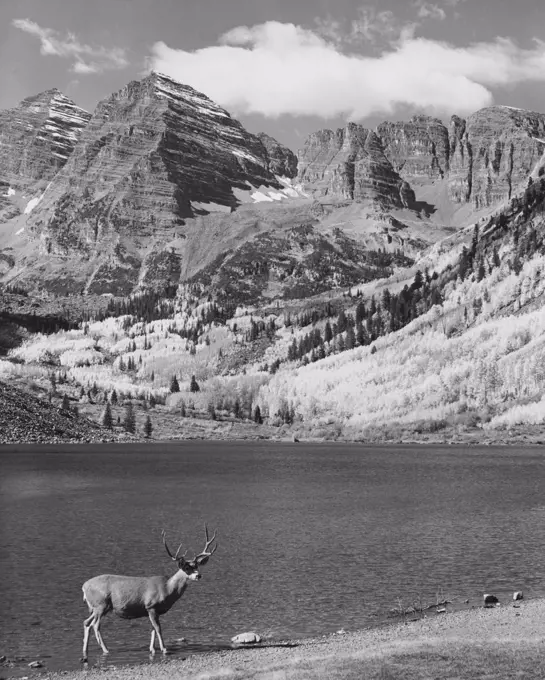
(191, 567)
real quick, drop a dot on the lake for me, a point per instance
(312, 538)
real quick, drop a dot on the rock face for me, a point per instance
(418, 148)
(36, 139)
(281, 160)
(350, 164)
(153, 154)
(493, 153)
(38, 136)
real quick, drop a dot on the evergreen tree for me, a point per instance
(148, 427)
(194, 386)
(360, 334)
(174, 385)
(65, 403)
(106, 419)
(257, 416)
(350, 338)
(113, 398)
(129, 421)
(183, 411)
(152, 401)
(328, 334)
(237, 411)
(341, 322)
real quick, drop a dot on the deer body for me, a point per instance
(131, 597)
(134, 597)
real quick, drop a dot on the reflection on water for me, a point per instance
(312, 538)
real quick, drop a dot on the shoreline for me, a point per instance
(509, 636)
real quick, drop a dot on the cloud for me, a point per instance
(428, 11)
(87, 59)
(276, 68)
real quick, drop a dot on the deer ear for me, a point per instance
(202, 559)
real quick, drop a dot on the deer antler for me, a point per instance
(172, 557)
(208, 543)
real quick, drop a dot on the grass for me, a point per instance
(428, 662)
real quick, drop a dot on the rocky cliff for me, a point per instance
(280, 160)
(418, 148)
(493, 153)
(350, 164)
(36, 139)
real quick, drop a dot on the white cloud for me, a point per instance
(276, 68)
(87, 59)
(428, 11)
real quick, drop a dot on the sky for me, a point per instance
(285, 67)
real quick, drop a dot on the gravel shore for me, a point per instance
(466, 644)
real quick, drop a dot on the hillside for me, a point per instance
(26, 418)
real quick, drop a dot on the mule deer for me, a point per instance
(132, 597)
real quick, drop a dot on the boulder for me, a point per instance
(35, 664)
(490, 600)
(518, 595)
(246, 639)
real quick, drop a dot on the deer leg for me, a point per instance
(152, 641)
(86, 631)
(96, 628)
(154, 619)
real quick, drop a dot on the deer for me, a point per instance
(133, 597)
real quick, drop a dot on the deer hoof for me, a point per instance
(165, 651)
(83, 659)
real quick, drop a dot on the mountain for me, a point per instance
(357, 290)
(153, 159)
(484, 160)
(36, 139)
(350, 163)
(161, 185)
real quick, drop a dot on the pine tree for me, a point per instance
(328, 334)
(106, 419)
(113, 398)
(257, 416)
(183, 411)
(174, 385)
(148, 427)
(65, 403)
(360, 334)
(129, 421)
(350, 338)
(194, 386)
(237, 411)
(152, 401)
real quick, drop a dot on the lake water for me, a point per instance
(312, 538)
